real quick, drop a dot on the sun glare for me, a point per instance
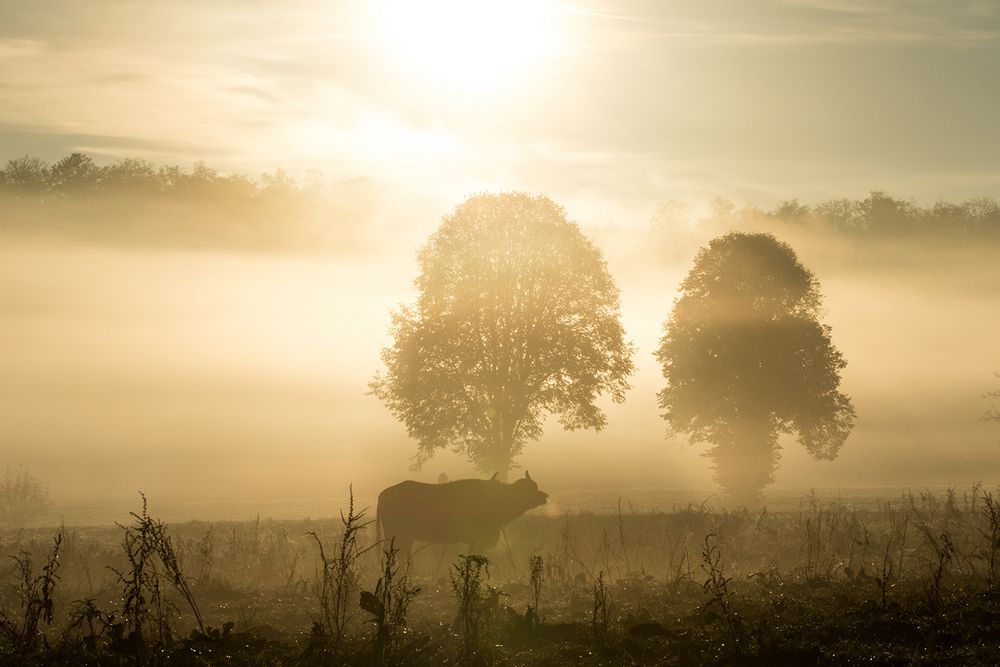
(470, 43)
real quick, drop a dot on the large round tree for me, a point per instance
(746, 360)
(517, 317)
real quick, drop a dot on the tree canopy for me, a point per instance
(746, 359)
(517, 317)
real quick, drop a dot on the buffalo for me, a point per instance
(469, 511)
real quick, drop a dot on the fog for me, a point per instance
(222, 373)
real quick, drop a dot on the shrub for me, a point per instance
(22, 499)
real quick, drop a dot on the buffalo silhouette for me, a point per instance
(470, 511)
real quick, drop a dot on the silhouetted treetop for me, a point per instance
(517, 316)
(747, 277)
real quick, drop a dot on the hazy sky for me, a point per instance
(605, 106)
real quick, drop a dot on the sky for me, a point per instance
(607, 107)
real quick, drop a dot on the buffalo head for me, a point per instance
(527, 491)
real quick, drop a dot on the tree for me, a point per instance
(888, 216)
(746, 360)
(22, 499)
(25, 176)
(842, 215)
(517, 317)
(76, 173)
(130, 176)
(993, 412)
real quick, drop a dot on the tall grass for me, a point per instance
(338, 578)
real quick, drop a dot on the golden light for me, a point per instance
(474, 44)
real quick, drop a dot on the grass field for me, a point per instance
(908, 579)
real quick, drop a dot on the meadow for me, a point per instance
(908, 579)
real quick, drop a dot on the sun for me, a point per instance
(475, 44)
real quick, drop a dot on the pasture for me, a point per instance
(912, 578)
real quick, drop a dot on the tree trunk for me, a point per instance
(745, 462)
(501, 466)
(503, 454)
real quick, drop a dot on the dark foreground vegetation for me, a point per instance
(911, 580)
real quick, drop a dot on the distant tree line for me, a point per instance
(30, 178)
(877, 215)
(133, 201)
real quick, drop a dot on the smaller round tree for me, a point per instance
(517, 317)
(746, 360)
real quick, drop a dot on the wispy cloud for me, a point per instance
(19, 49)
(804, 23)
